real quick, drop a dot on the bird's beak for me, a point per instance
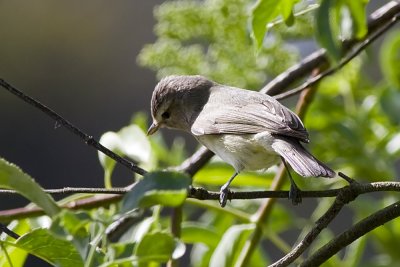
(153, 128)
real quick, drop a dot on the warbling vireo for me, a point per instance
(247, 129)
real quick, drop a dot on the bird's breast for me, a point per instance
(247, 151)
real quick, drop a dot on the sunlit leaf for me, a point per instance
(390, 59)
(286, 10)
(231, 245)
(264, 11)
(161, 246)
(199, 233)
(130, 141)
(358, 15)
(324, 29)
(217, 173)
(73, 226)
(12, 177)
(43, 244)
(17, 255)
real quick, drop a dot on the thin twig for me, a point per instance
(75, 190)
(343, 62)
(89, 140)
(4, 229)
(87, 203)
(203, 194)
(319, 59)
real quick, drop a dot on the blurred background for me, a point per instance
(78, 58)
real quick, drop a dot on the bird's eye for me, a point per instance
(165, 115)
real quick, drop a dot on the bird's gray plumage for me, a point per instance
(214, 112)
(237, 111)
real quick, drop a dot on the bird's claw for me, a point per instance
(223, 197)
(295, 195)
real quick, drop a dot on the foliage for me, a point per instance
(211, 38)
(353, 122)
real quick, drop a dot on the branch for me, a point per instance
(193, 192)
(74, 190)
(356, 231)
(7, 216)
(203, 194)
(4, 229)
(318, 59)
(89, 140)
(194, 163)
(343, 62)
(345, 195)
(343, 198)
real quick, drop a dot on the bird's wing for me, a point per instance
(248, 114)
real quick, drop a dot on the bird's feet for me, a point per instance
(224, 193)
(295, 194)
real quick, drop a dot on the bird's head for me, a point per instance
(177, 100)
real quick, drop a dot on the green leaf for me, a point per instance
(141, 120)
(390, 58)
(130, 141)
(200, 233)
(264, 12)
(12, 177)
(17, 256)
(43, 244)
(73, 226)
(228, 250)
(159, 246)
(358, 15)
(155, 247)
(286, 8)
(164, 188)
(217, 173)
(324, 30)
(389, 102)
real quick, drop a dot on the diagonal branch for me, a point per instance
(319, 59)
(356, 231)
(89, 140)
(6, 230)
(346, 195)
(363, 45)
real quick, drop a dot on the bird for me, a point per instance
(247, 129)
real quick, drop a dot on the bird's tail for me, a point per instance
(300, 159)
